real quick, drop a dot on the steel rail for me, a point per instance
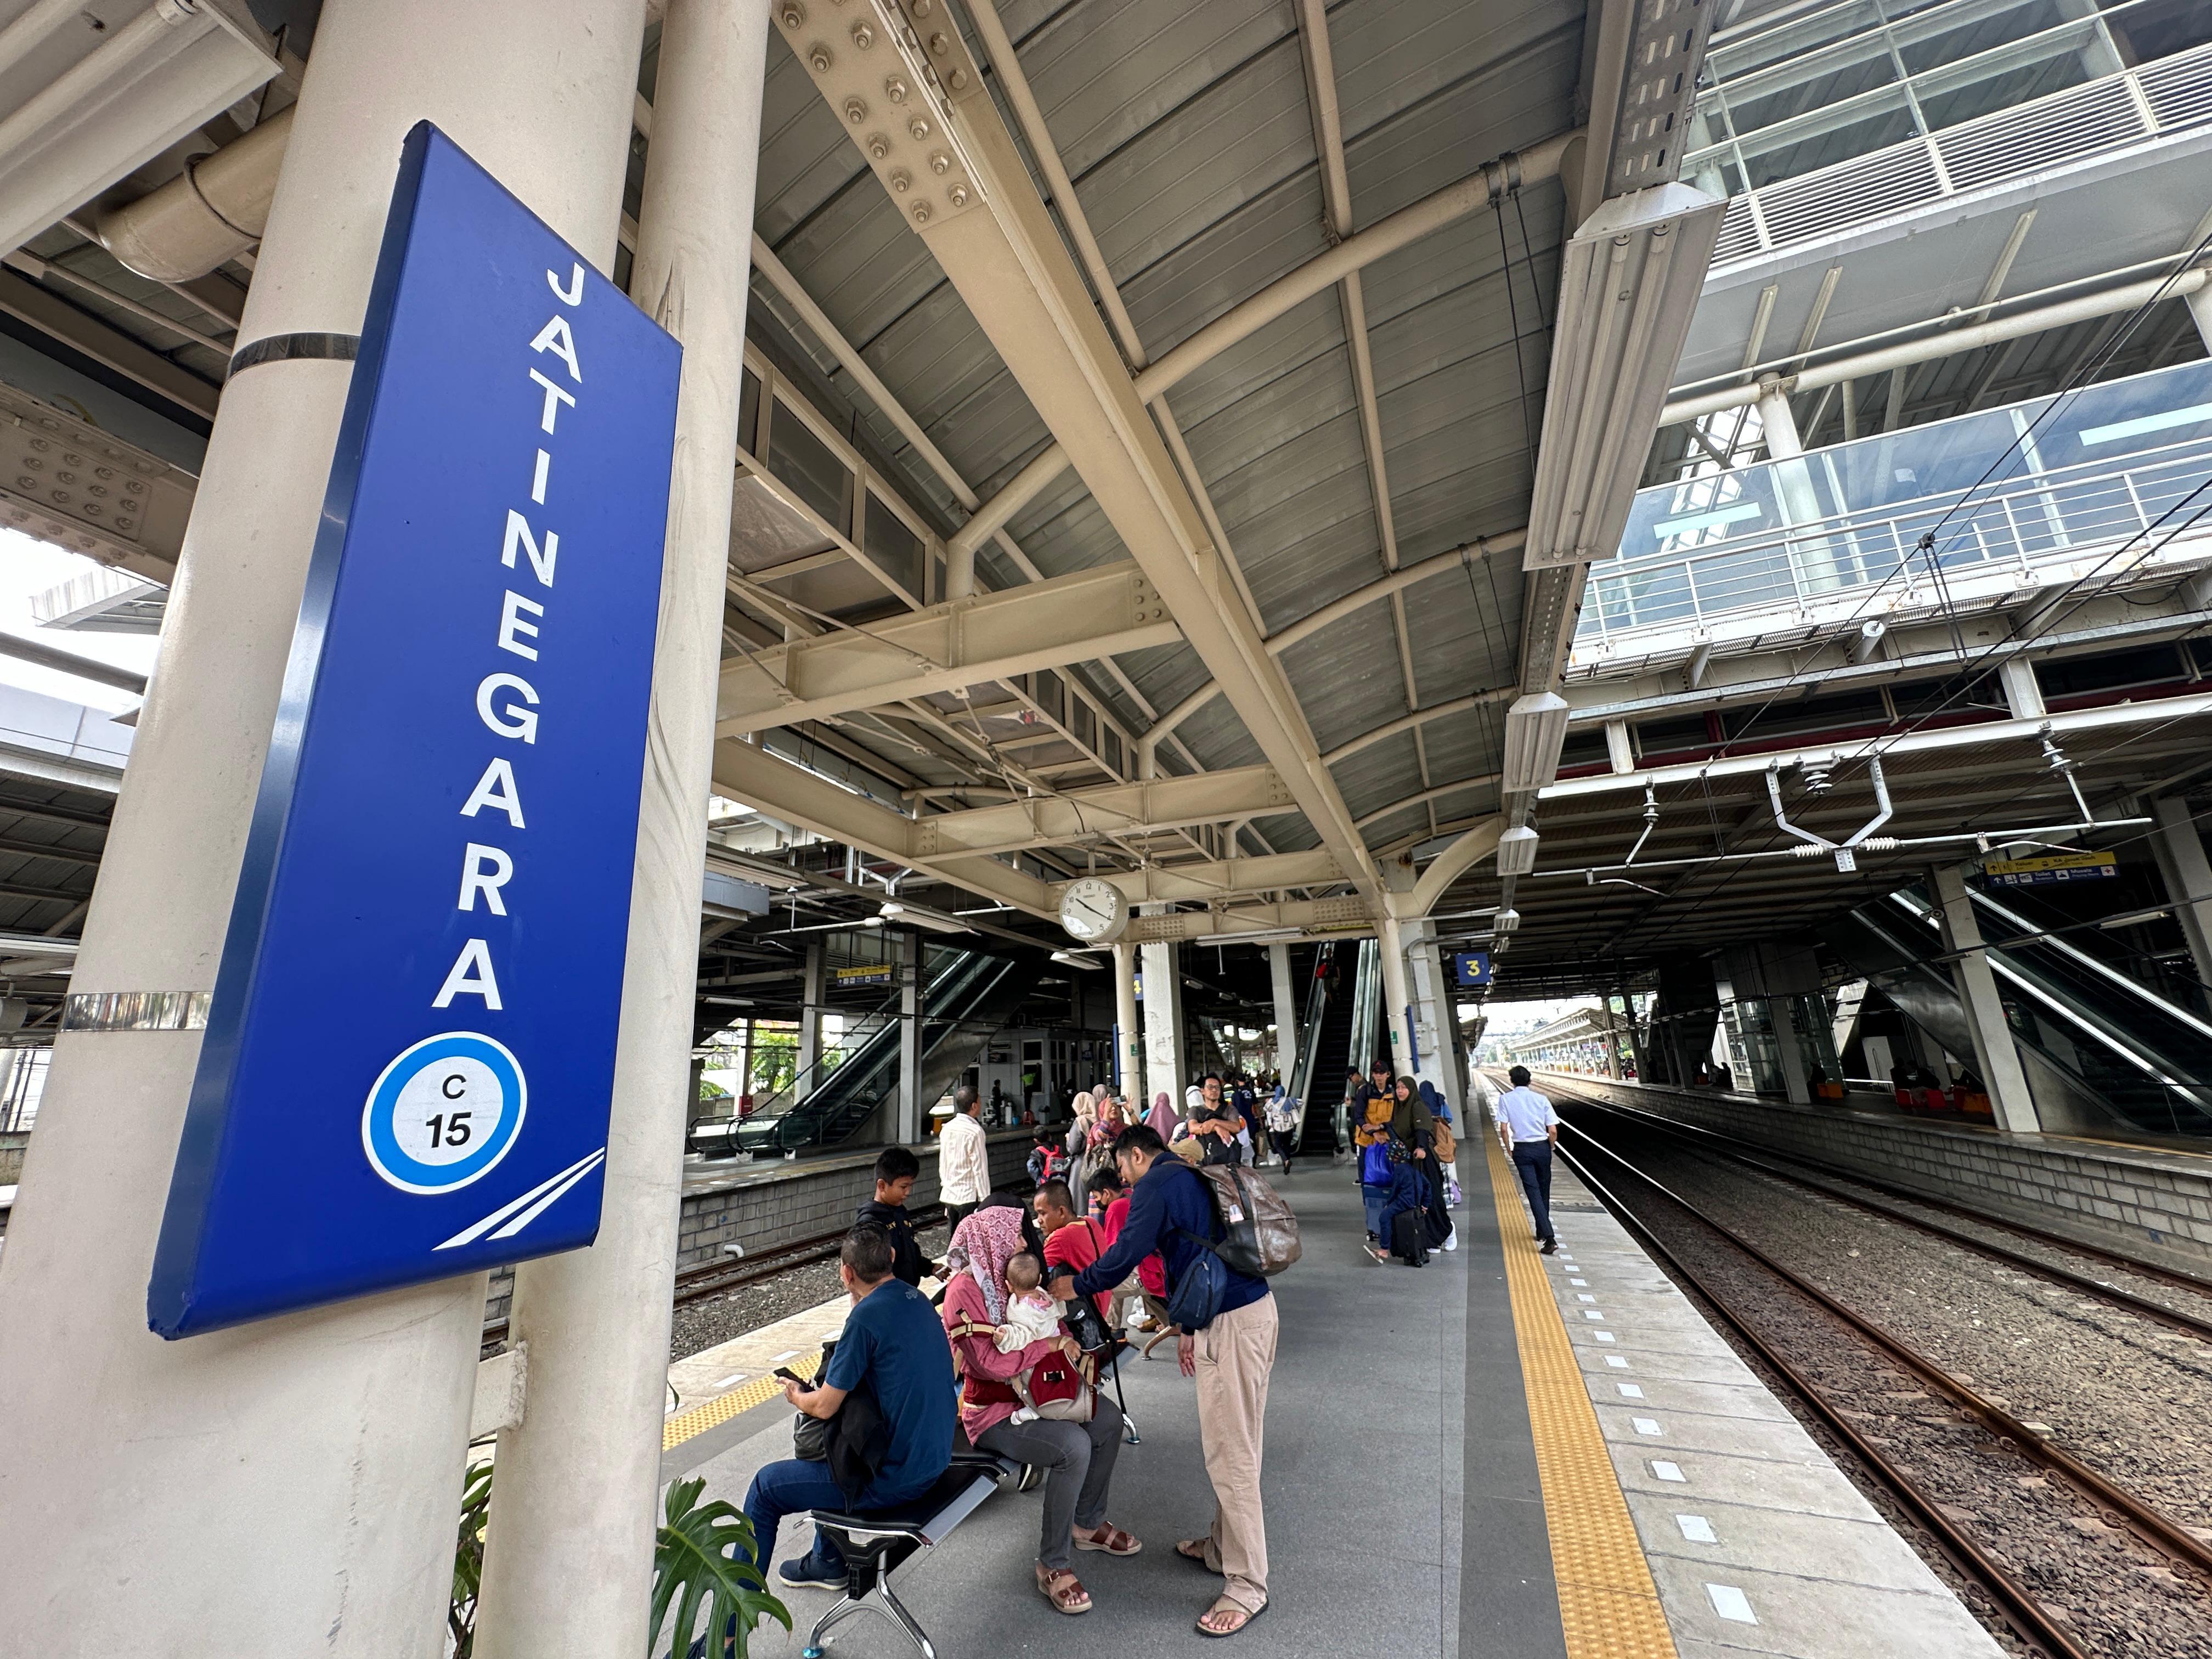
(2190, 1324)
(2169, 1537)
(2174, 1276)
(2025, 1616)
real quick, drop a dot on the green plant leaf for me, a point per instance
(702, 1561)
(468, 1559)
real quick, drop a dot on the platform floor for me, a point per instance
(1499, 1454)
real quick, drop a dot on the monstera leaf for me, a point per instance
(702, 1563)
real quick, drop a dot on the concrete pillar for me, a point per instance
(288, 1486)
(1128, 1036)
(1997, 1060)
(907, 1128)
(2181, 861)
(1166, 1065)
(1428, 989)
(1398, 997)
(565, 1577)
(810, 1017)
(1612, 1038)
(1287, 1012)
(1793, 488)
(1797, 1080)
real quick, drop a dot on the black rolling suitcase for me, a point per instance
(1409, 1237)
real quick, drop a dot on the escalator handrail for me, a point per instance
(2105, 970)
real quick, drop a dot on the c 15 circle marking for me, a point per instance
(444, 1112)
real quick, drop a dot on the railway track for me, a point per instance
(1706, 1144)
(708, 1278)
(2004, 1438)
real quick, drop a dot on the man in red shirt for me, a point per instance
(1071, 1242)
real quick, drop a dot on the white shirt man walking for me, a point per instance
(963, 1163)
(1527, 1127)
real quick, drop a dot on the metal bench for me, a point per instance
(877, 1543)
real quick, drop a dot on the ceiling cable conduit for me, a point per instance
(208, 215)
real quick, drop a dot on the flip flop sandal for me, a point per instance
(1065, 1591)
(1198, 1560)
(1111, 1540)
(1250, 1614)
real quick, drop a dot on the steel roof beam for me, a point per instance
(990, 234)
(945, 647)
(746, 772)
(1487, 184)
(1113, 809)
(1223, 879)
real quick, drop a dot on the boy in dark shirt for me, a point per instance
(896, 1169)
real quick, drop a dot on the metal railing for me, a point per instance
(1786, 536)
(2146, 101)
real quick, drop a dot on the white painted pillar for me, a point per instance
(1792, 487)
(1166, 1065)
(563, 1575)
(1130, 1054)
(907, 1130)
(2181, 861)
(1435, 1015)
(1397, 996)
(290, 1486)
(1995, 1057)
(1286, 1012)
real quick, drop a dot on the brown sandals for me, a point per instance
(1112, 1540)
(1064, 1590)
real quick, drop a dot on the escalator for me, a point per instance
(1330, 1045)
(2098, 1046)
(967, 998)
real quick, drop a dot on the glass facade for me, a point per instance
(2051, 478)
(1838, 82)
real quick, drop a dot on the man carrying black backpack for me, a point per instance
(1171, 1211)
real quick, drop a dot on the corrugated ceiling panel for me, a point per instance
(1201, 163)
(1105, 71)
(1267, 238)
(1378, 774)
(805, 157)
(1349, 679)
(1215, 733)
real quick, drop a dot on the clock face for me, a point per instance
(1091, 909)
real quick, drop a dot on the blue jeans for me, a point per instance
(1531, 1161)
(792, 1487)
(1374, 1201)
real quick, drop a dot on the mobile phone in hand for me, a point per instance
(790, 1375)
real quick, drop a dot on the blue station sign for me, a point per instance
(1470, 968)
(410, 1052)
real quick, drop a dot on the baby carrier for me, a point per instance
(1061, 1387)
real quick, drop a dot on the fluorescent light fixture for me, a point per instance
(1535, 727)
(895, 914)
(103, 103)
(1074, 961)
(1517, 852)
(1504, 922)
(1629, 285)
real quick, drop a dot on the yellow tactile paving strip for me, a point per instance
(689, 1425)
(1608, 1607)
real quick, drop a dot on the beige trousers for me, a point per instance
(1236, 1353)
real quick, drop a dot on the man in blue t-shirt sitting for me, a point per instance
(894, 1345)
(1171, 1213)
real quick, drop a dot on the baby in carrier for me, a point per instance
(1031, 1316)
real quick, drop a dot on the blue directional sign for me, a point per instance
(410, 1048)
(1470, 968)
